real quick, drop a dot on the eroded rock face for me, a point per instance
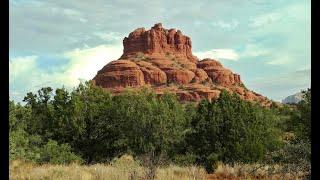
(120, 73)
(152, 74)
(179, 76)
(162, 59)
(188, 96)
(201, 76)
(218, 73)
(158, 40)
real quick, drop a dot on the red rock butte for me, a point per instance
(162, 59)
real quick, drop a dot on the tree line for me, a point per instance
(90, 125)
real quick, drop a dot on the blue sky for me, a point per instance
(60, 43)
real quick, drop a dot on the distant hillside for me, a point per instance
(293, 99)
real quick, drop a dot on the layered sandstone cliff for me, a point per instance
(162, 59)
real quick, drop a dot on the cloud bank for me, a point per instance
(26, 75)
(55, 42)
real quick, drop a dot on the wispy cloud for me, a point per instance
(281, 36)
(226, 25)
(227, 54)
(254, 50)
(265, 19)
(109, 36)
(20, 66)
(295, 12)
(268, 54)
(279, 86)
(280, 60)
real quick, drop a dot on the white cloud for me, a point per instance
(260, 2)
(272, 57)
(20, 65)
(293, 13)
(282, 36)
(109, 36)
(84, 63)
(265, 19)
(25, 75)
(228, 54)
(226, 25)
(282, 85)
(83, 20)
(280, 60)
(254, 50)
(277, 27)
(70, 12)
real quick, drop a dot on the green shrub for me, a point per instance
(295, 156)
(31, 148)
(231, 130)
(147, 123)
(24, 146)
(185, 160)
(57, 154)
(301, 118)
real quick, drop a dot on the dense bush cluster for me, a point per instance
(90, 125)
(232, 130)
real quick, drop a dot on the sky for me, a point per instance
(61, 43)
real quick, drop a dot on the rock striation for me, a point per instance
(158, 41)
(162, 59)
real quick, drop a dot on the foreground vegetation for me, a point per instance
(126, 167)
(89, 126)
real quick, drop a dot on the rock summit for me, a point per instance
(162, 59)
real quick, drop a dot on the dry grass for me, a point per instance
(125, 168)
(252, 171)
